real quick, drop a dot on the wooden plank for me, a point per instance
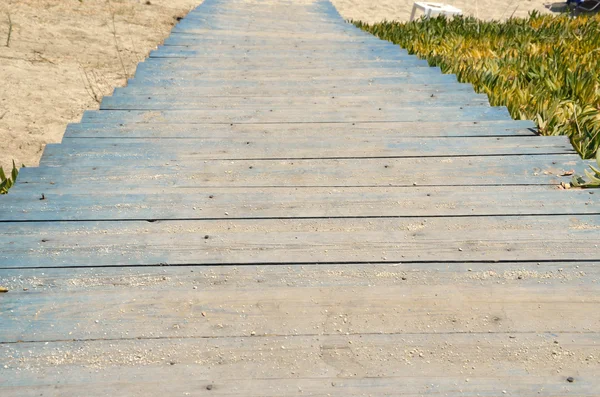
(283, 131)
(202, 203)
(407, 365)
(249, 41)
(190, 302)
(141, 174)
(286, 43)
(261, 33)
(145, 382)
(290, 13)
(280, 241)
(254, 40)
(276, 20)
(270, 26)
(284, 30)
(418, 98)
(317, 65)
(395, 53)
(190, 64)
(298, 147)
(286, 74)
(289, 44)
(307, 114)
(317, 81)
(248, 17)
(386, 52)
(333, 89)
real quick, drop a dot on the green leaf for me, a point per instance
(15, 172)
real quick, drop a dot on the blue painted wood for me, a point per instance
(443, 215)
(243, 203)
(142, 172)
(343, 88)
(298, 115)
(268, 75)
(333, 65)
(183, 39)
(326, 82)
(281, 131)
(423, 100)
(130, 287)
(394, 53)
(92, 244)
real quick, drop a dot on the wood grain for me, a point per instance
(211, 203)
(142, 173)
(280, 204)
(270, 241)
(281, 131)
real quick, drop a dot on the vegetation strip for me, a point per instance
(543, 68)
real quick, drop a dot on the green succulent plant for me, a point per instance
(543, 68)
(593, 176)
(7, 182)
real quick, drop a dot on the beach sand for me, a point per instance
(64, 55)
(379, 10)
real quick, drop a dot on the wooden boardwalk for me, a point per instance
(280, 204)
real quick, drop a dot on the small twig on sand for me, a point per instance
(133, 46)
(89, 87)
(509, 5)
(16, 58)
(114, 32)
(513, 14)
(10, 27)
(42, 58)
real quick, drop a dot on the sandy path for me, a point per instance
(63, 58)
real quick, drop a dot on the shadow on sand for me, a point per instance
(558, 8)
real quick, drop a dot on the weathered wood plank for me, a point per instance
(390, 52)
(331, 89)
(316, 81)
(380, 49)
(287, 74)
(283, 131)
(201, 203)
(141, 174)
(262, 31)
(196, 302)
(298, 147)
(291, 44)
(388, 240)
(266, 64)
(317, 66)
(211, 18)
(307, 114)
(412, 99)
(249, 39)
(145, 382)
(407, 365)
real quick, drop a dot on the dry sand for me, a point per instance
(64, 55)
(54, 45)
(379, 10)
